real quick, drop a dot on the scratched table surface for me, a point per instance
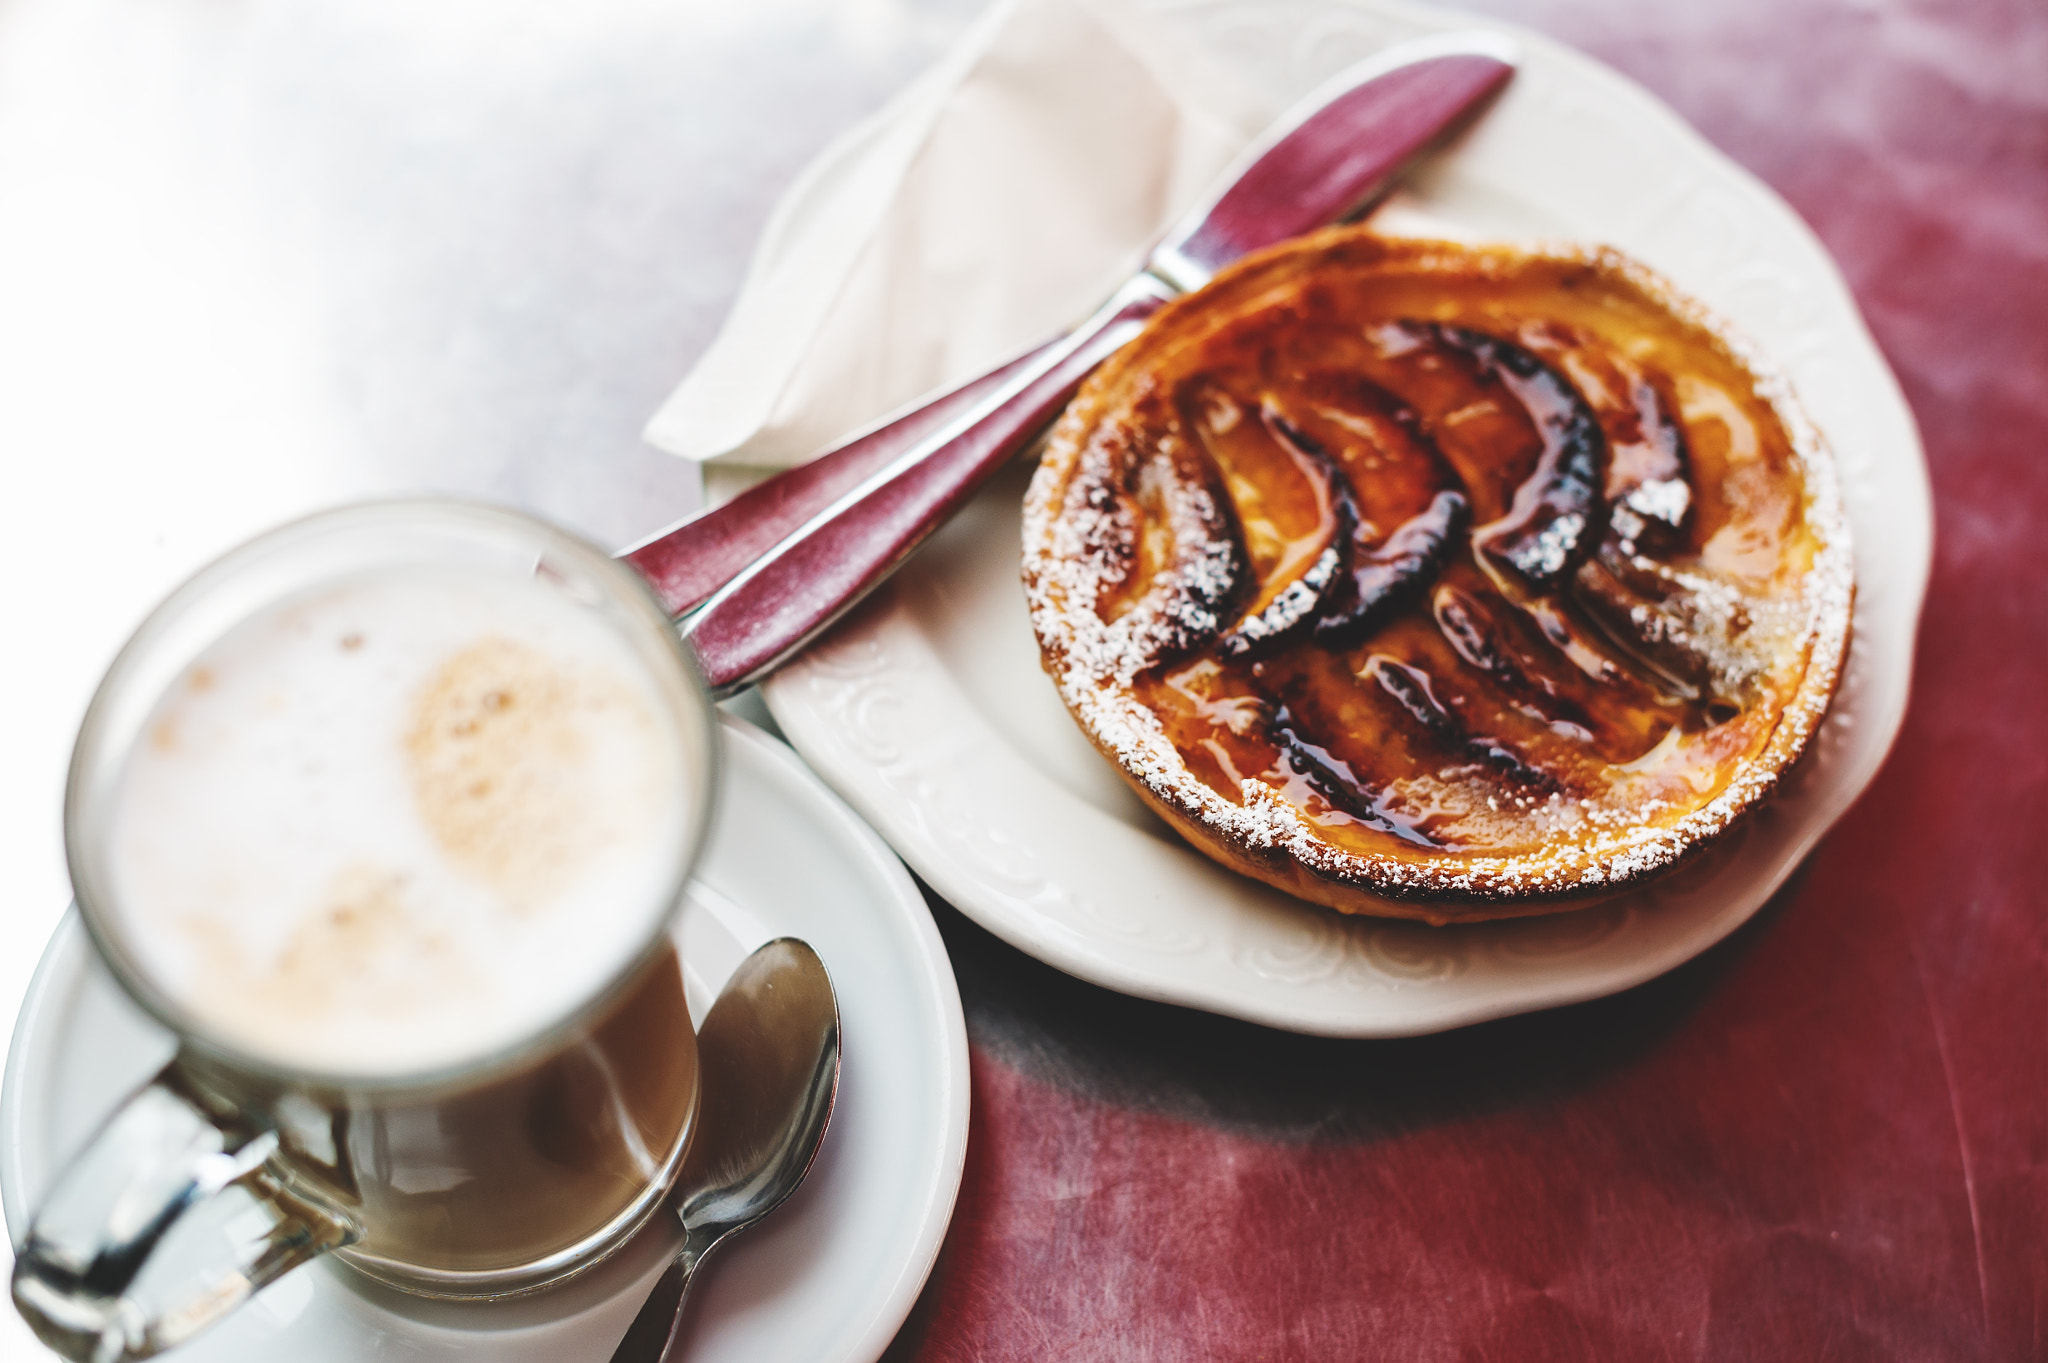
(258, 257)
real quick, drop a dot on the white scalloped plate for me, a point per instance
(828, 1279)
(929, 713)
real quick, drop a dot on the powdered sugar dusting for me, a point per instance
(1082, 533)
(1094, 552)
(1297, 601)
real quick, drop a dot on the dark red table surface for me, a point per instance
(1827, 1138)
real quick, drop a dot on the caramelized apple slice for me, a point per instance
(1286, 609)
(1384, 578)
(1649, 487)
(1649, 470)
(1562, 632)
(1410, 689)
(1611, 712)
(1678, 624)
(1294, 507)
(1557, 512)
(1398, 478)
(1333, 778)
(1327, 774)
(1658, 638)
(1154, 527)
(1212, 710)
(1486, 645)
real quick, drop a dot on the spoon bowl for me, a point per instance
(768, 1054)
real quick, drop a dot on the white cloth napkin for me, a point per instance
(995, 202)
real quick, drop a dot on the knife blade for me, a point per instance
(1335, 153)
(686, 562)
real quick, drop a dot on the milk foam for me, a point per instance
(400, 822)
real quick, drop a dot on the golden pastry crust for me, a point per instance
(1440, 581)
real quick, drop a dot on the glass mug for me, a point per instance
(472, 1175)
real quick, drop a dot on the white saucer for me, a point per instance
(828, 1279)
(929, 713)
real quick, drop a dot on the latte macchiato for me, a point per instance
(400, 821)
(385, 816)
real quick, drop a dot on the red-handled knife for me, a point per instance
(1339, 150)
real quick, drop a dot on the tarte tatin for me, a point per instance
(1440, 581)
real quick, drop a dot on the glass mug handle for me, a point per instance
(168, 1219)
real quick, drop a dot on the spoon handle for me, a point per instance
(651, 1338)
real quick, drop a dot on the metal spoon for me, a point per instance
(769, 1058)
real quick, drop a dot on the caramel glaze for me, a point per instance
(1478, 561)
